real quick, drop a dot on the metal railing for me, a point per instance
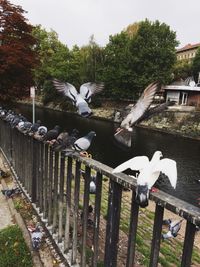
(55, 185)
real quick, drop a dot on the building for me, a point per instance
(183, 93)
(187, 52)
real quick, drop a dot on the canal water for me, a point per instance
(185, 152)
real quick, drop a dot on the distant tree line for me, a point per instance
(141, 53)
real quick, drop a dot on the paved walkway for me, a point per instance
(5, 214)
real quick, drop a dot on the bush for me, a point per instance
(13, 249)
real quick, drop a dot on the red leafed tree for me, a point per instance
(17, 56)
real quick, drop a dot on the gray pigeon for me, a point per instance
(83, 143)
(174, 227)
(36, 237)
(124, 132)
(80, 100)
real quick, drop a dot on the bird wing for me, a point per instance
(89, 89)
(82, 144)
(136, 163)
(155, 110)
(142, 104)
(169, 168)
(66, 88)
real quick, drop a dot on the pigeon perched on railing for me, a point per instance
(174, 227)
(60, 143)
(52, 134)
(80, 100)
(83, 143)
(149, 172)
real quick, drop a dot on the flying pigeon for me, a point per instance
(174, 227)
(80, 100)
(137, 113)
(149, 172)
(83, 143)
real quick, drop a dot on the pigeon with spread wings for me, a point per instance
(149, 171)
(81, 99)
(123, 133)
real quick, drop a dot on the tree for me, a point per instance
(116, 73)
(54, 62)
(181, 70)
(154, 54)
(17, 57)
(196, 65)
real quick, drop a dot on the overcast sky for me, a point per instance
(76, 20)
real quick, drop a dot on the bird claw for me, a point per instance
(85, 154)
(154, 190)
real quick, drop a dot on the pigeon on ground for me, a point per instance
(52, 134)
(83, 143)
(3, 174)
(92, 189)
(149, 172)
(36, 237)
(174, 227)
(80, 100)
(11, 192)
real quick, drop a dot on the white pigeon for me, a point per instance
(149, 172)
(80, 100)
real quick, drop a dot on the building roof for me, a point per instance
(181, 88)
(188, 47)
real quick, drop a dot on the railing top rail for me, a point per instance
(171, 203)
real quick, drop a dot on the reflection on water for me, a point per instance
(184, 151)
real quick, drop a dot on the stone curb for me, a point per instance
(18, 218)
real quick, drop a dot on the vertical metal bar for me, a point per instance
(68, 204)
(188, 244)
(75, 214)
(34, 176)
(97, 217)
(45, 180)
(41, 176)
(132, 232)
(55, 193)
(157, 231)
(49, 193)
(85, 215)
(113, 220)
(61, 197)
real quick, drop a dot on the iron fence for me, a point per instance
(63, 199)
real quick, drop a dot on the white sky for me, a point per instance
(76, 20)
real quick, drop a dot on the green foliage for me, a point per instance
(54, 58)
(182, 69)
(154, 54)
(13, 249)
(196, 65)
